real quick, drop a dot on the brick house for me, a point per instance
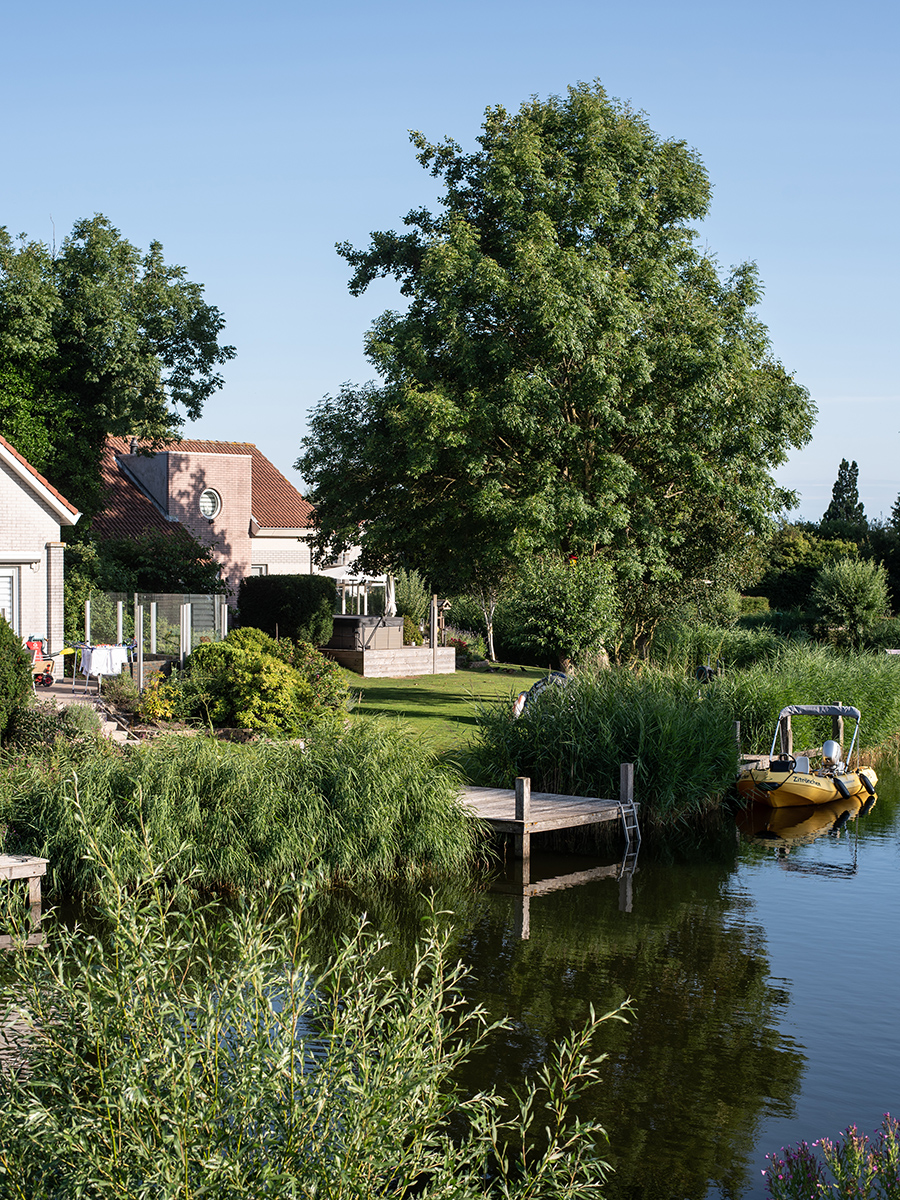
(32, 513)
(227, 494)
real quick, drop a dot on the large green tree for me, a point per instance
(570, 374)
(98, 338)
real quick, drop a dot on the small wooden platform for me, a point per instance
(497, 806)
(21, 866)
(522, 812)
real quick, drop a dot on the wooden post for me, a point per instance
(434, 635)
(626, 783)
(786, 735)
(523, 813)
(837, 729)
(139, 638)
(34, 900)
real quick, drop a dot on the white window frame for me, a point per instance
(217, 499)
(12, 573)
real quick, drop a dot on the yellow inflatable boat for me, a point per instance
(790, 780)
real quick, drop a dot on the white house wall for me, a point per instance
(27, 527)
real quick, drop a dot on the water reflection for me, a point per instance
(687, 1079)
(740, 951)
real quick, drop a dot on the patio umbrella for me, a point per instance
(390, 597)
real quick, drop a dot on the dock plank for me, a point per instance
(548, 810)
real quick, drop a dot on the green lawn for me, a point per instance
(440, 710)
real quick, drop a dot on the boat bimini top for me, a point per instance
(818, 710)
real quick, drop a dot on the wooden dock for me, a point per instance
(15, 867)
(522, 812)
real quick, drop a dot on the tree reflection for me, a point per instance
(687, 1081)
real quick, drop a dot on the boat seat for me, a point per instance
(781, 764)
(802, 764)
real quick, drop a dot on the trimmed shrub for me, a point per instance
(412, 635)
(15, 675)
(252, 681)
(299, 607)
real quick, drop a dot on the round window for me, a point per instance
(210, 503)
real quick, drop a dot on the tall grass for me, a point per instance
(362, 803)
(195, 1054)
(572, 740)
(803, 673)
(684, 646)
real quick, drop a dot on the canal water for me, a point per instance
(764, 974)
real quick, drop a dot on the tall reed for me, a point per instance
(362, 803)
(572, 739)
(196, 1053)
(804, 673)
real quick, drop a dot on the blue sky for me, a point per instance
(248, 139)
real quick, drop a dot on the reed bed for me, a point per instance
(684, 646)
(802, 673)
(572, 739)
(364, 803)
(679, 734)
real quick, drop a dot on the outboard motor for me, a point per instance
(831, 755)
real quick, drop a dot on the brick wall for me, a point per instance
(228, 533)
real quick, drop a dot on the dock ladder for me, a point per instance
(628, 810)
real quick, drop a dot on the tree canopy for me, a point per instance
(98, 338)
(571, 374)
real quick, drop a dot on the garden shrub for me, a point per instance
(121, 690)
(254, 682)
(412, 635)
(299, 607)
(37, 727)
(412, 596)
(15, 675)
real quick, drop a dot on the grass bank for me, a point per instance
(364, 803)
(439, 711)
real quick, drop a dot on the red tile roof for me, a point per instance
(275, 501)
(126, 512)
(38, 476)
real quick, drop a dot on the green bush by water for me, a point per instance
(204, 1053)
(354, 804)
(811, 674)
(573, 738)
(15, 675)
